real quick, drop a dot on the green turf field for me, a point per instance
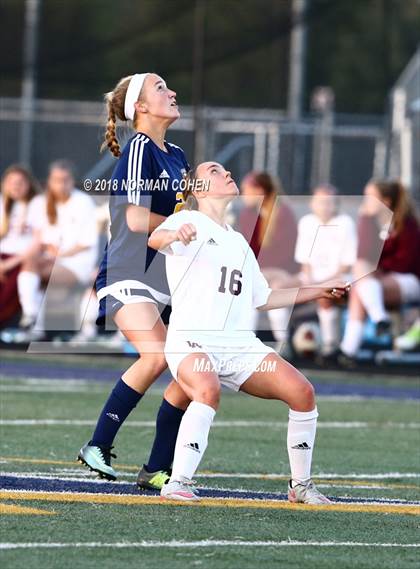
(366, 449)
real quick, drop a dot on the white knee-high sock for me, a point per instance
(353, 335)
(371, 295)
(300, 442)
(279, 320)
(192, 439)
(329, 320)
(30, 297)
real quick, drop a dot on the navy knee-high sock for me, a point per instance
(120, 403)
(167, 426)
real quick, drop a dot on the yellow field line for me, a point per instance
(130, 467)
(12, 509)
(206, 502)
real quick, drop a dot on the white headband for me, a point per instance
(133, 92)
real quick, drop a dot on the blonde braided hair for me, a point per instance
(114, 101)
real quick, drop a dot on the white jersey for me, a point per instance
(215, 281)
(75, 225)
(20, 231)
(326, 247)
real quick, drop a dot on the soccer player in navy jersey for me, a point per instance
(131, 285)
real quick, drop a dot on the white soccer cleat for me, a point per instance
(306, 494)
(180, 490)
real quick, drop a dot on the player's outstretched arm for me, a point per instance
(162, 238)
(286, 297)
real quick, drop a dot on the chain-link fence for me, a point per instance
(345, 152)
(403, 159)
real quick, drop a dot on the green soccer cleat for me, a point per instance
(306, 494)
(98, 459)
(410, 341)
(152, 480)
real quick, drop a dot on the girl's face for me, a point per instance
(157, 99)
(60, 183)
(15, 186)
(218, 182)
(324, 205)
(252, 195)
(373, 200)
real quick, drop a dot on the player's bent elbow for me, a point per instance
(152, 242)
(137, 220)
(136, 225)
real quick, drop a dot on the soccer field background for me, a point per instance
(57, 514)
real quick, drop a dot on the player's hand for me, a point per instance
(186, 233)
(51, 250)
(335, 289)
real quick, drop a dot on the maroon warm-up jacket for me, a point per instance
(401, 251)
(280, 252)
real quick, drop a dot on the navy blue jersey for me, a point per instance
(144, 176)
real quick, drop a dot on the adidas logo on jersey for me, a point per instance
(211, 241)
(302, 446)
(164, 174)
(114, 417)
(193, 446)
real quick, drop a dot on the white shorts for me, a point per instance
(82, 270)
(233, 364)
(409, 286)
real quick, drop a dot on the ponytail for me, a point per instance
(111, 140)
(114, 101)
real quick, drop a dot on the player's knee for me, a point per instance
(176, 396)
(308, 395)
(209, 394)
(156, 363)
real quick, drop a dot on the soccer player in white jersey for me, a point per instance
(215, 282)
(326, 248)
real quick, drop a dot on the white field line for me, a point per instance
(41, 389)
(41, 475)
(204, 543)
(30, 385)
(220, 424)
(76, 474)
(326, 475)
(254, 475)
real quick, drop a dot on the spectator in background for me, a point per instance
(89, 305)
(18, 188)
(326, 248)
(66, 242)
(396, 278)
(270, 228)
